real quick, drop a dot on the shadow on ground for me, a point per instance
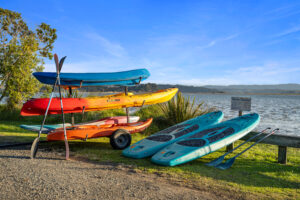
(244, 171)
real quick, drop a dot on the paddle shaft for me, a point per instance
(46, 113)
(63, 117)
(257, 142)
(35, 143)
(246, 141)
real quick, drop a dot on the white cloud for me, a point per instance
(112, 48)
(177, 60)
(288, 31)
(269, 73)
(216, 41)
(102, 65)
(208, 81)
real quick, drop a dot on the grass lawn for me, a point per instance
(255, 174)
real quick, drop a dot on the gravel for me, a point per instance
(49, 176)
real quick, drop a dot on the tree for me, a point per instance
(21, 53)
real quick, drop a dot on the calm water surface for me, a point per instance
(276, 111)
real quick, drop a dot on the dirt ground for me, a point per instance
(49, 176)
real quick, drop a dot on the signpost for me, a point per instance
(240, 104)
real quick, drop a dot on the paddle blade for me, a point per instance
(34, 147)
(61, 62)
(227, 164)
(56, 63)
(215, 162)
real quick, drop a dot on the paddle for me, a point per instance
(58, 69)
(34, 146)
(221, 158)
(230, 161)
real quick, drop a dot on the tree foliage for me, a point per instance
(22, 52)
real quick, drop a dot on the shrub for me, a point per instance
(182, 108)
(152, 111)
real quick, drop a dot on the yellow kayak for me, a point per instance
(75, 105)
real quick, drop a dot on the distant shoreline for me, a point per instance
(229, 93)
(211, 93)
(280, 90)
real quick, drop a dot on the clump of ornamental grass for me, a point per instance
(182, 108)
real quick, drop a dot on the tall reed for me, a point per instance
(182, 108)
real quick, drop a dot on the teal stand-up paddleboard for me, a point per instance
(152, 144)
(206, 141)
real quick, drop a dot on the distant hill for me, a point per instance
(237, 89)
(257, 87)
(270, 89)
(150, 87)
(190, 89)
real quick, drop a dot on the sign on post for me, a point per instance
(241, 103)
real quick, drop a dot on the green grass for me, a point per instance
(255, 171)
(254, 174)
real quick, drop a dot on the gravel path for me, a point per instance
(51, 177)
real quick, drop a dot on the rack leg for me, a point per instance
(127, 109)
(72, 114)
(231, 146)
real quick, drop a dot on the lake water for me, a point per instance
(276, 111)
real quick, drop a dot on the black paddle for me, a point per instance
(58, 67)
(221, 158)
(230, 161)
(35, 143)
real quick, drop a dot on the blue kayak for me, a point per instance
(152, 144)
(206, 141)
(126, 78)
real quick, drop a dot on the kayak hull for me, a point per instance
(127, 78)
(75, 105)
(107, 120)
(91, 131)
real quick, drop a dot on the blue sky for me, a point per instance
(184, 42)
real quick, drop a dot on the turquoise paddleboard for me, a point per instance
(152, 144)
(206, 141)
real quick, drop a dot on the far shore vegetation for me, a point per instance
(188, 89)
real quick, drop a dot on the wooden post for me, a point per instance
(127, 109)
(231, 146)
(282, 154)
(240, 113)
(72, 114)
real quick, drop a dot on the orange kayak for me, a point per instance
(94, 131)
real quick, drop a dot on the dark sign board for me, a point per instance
(241, 103)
